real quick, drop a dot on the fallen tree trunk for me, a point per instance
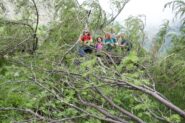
(154, 94)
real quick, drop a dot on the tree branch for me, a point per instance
(17, 23)
(132, 116)
(37, 14)
(119, 11)
(102, 111)
(154, 94)
(35, 46)
(26, 111)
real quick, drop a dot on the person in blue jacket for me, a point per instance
(109, 41)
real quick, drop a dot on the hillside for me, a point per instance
(43, 78)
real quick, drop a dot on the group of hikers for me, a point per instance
(109, 42)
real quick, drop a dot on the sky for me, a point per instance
(153, 9)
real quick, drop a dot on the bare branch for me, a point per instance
(103, 111)
(119, 11)
(35, 46)
(154, 94)
(37, 14)
(16, 23)
(11, 49)
(69, 50)
(119, 108)
(29, 111)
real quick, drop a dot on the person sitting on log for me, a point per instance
(99, 44)
(109, 41)
(125, 43)
(86, 42)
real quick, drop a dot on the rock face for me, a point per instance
(46, 14)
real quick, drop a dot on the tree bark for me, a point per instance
(132, 116)
(35, 46)
(156, 95)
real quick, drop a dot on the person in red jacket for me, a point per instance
(86, 38)
(86, 41)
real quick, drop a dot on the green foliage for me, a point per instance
(135, 29)
(170, 74)
(168, 71)
(135, 32)
(69, 15)
(128, 62)
(51, 91)
(174, 118)
(65, 88)
(160, 40)
(178, 6)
